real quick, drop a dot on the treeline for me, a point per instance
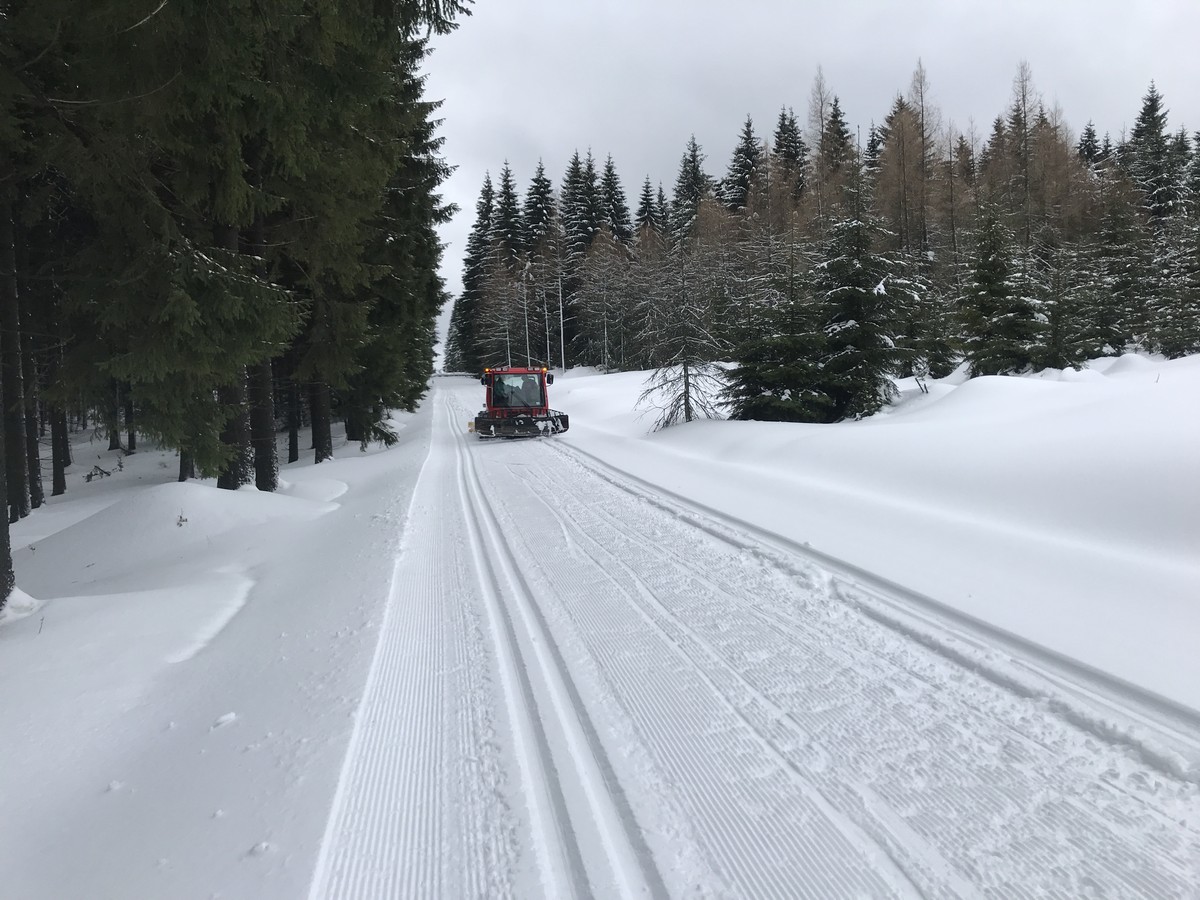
(214, 220)
(823, 264)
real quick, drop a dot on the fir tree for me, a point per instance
(743, 169)
(580, 208)
(542, 235)
(778, 374)
(1148, 159)
(662, 209)
(788, 147)
(834, 164)
(507, 236)
(999, 323)
(647, 210)
(614, 210)
(692, 185)
(406, 292)
(861, 301)
(1116, 313)
(538, 212)
(1088, 147)
(463, 352)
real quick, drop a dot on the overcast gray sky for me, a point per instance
(524, 80)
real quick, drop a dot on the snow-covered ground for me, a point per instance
(947, 651)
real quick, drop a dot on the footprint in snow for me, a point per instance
(227, 719)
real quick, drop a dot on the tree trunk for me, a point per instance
(17, 469)
(356, 432)
(320, 406)
(262, 426)
(262, 376)
(33, 455)
(8, 285)
(129, 423)
(7, 579)
(235, 435)
(60, 450)
(187, 465)
(293, 418)
(112, 415)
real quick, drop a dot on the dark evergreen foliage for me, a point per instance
(508, 233)
(743, 169)
(614, 210)
(579, 206)
(788, 146)
(538, 213)
(1000, 328)
(864, 304)
(647, 210)
(1149, 160)
(197, 195)
(463, 353)
(691, 186)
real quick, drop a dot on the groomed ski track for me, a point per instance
(584, 688)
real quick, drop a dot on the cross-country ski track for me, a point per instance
(584, 687)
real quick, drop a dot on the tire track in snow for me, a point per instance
(418, 810)
(1164, 734)
(556, 746)
(868, 744)
(766, 829)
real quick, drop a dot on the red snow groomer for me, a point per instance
(517, 404)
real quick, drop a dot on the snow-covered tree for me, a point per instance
(1000, 326)
(579, 208)
(462, 342)
(743, 169)
(542, 268)
(692, 186)
(1148, 159)
(864, 300)
(790, 152)
(614, 210)
(649, 211)
(508, 232)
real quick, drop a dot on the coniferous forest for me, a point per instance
(823, 263)
(216, 222)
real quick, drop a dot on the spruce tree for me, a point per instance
(542, 240)
(1088, 147)
(538, 212)
(463, 350)
(1148, 159)
(406, 292)
(863, 306)
(778, 373)
(508, 233)
(788, 147)
(692, 186)
(999, 324)
(835, 164)
(1115, 314)
(743, 169)
(580, 208)
(614, 210)
(646, 216)
(662, 210)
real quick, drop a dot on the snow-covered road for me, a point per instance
(587, 687)
(731, 659)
